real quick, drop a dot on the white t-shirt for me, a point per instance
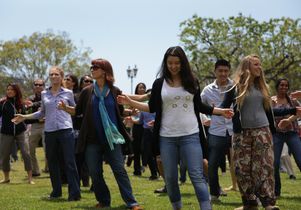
(178, 116)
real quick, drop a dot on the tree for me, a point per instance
(31, 57)
(277, 42)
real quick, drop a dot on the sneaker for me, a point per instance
(137, 207)
(222, 193)
(214, 198)
(137, 173)
(31, 182)
(247, 208)
(272, 208)
(45, 171)
(129, 160)
(231, 188)
(100, 206)
(5, 181)
(182, 182)
(76, 198)
(161, 190)
(153, 177)
(292, 177)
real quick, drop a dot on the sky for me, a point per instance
(127, 32)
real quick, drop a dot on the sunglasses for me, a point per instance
(94, 68)
(67, 79)
(40, 85)
(88, 81)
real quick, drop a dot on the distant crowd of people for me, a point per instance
(172, 127)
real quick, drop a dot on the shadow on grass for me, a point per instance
(53, 200)
(291, 198)
(92, 208)
(41, 177)
(87, 190)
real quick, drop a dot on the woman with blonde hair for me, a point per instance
(58, 134)
(253, 122)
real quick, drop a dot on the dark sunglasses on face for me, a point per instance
(94, 68)
(68, 79)
(40, 85)
(54, 74)
(88, 81)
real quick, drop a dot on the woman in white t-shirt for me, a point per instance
(175, 99)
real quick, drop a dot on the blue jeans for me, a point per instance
(183, 170)
(294, 144)
(187, 149)
(217, 147)
(62, 140)
(95, 154)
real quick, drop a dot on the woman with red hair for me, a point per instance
(102, 133)
(11, 134)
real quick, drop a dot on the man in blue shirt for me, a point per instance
(220, 130)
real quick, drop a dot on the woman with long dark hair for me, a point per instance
(11, 134)
(85, 81)
(289, 134)
(137, 133)
(176, 100)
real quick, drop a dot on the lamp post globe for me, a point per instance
(132, 72)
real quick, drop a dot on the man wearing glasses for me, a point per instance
(37, 126)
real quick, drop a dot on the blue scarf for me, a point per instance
(112, 133)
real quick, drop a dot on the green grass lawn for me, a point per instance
(22, 196)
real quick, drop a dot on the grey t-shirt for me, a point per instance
(252, 112)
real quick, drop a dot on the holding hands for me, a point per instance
(18, 118)
(228, 113)
(123, 99)
(296, 94)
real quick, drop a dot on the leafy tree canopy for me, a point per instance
(30, 57)
(277, 42)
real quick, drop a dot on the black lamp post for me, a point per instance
(132, 72)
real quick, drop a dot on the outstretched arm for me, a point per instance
(21, 117)
(143, 97)
(126, 100)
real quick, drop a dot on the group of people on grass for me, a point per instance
(242, 121)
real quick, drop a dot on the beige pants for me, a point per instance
(37, 133)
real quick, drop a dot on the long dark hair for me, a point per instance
(189, 81)
(286, 94)
(18, 96)
(137, 86)
(82, 79)
(75, 80)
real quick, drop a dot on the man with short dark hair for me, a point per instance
(220, 131)
(37, 126)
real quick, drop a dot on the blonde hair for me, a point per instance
(242, 80)
(61, 71)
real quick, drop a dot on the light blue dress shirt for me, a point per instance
(213, 95)
(55, 119)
